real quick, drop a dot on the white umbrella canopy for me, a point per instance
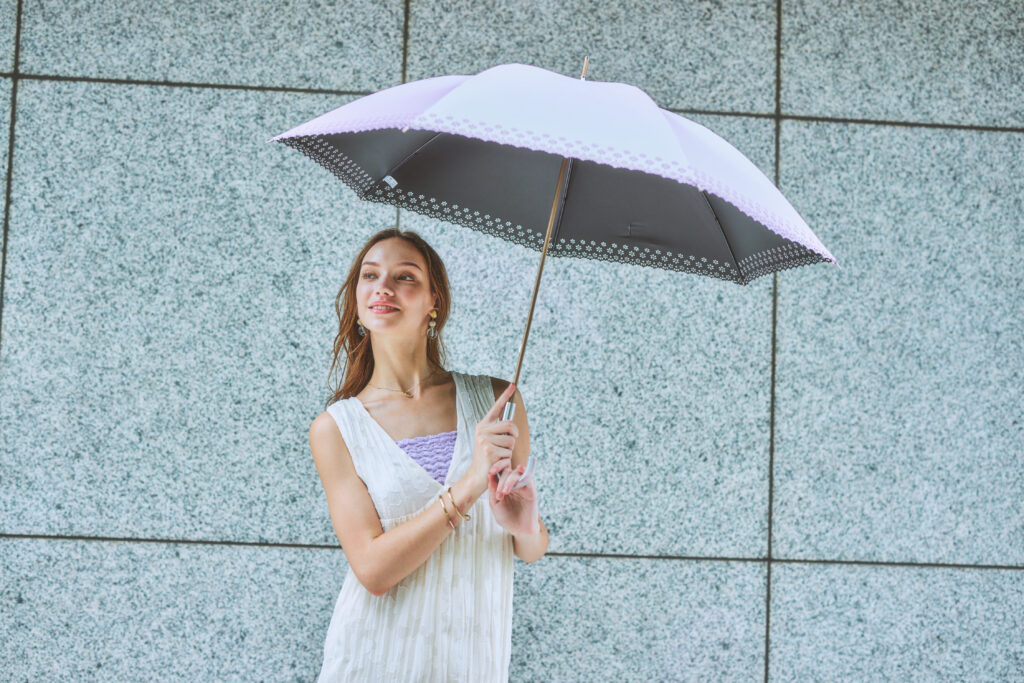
(644, 186)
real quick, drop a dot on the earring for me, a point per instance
(432, 330)
(362, 330)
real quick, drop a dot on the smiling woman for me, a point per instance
(428, 595)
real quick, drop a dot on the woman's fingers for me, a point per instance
(508, 480)
(494, 481)
(500, 464)
(498, 474)
(499, 404)
(526, 477)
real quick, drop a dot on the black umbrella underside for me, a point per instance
(609, 214)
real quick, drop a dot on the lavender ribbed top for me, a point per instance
(432, 452)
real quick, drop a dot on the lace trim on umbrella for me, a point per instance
(366, 187)
(774, 259)
(328, 156)
(602, 154)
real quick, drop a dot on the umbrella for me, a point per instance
(631, 182)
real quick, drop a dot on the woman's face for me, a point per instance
(393, 271)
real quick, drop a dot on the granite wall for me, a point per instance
(817, 477)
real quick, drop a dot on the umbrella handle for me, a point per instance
(527, 474)
(510, 409)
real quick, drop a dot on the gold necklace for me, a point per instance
(408, 394)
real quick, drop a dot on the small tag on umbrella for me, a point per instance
(390, 181)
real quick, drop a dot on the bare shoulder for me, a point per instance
(325, 429)
(327, 445)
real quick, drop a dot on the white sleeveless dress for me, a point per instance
(451, 618)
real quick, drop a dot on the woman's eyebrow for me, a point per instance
(401, 263)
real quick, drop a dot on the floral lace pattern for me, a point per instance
(331, 158)
(749, 268)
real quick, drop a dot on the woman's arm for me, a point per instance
(531, 547)
(379, 560)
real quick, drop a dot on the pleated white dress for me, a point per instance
(450, 619)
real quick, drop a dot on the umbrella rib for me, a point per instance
(724, 235)
(409, 156)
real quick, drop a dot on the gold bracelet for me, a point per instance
(447, 516)
(457, 510)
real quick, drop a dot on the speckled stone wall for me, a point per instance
(816, 477)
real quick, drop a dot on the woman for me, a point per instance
(405, 451)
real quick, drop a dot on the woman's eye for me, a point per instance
(366, 275)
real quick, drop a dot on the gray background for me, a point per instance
(817, 477)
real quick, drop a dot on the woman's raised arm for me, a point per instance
(379, 560)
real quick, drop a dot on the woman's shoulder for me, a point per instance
(331, 419)
(336, 422)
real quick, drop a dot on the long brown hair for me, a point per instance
(357, 350)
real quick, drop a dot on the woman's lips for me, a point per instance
(380, 312)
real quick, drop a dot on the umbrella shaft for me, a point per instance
(560, 187)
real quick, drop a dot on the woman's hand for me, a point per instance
(514, 510)
(493, 441)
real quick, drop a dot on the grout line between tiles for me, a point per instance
(678, 110)
(771, 386)
(10, 165)
(405, 44)
(617, 556)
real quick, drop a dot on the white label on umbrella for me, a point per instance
(389, 180)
